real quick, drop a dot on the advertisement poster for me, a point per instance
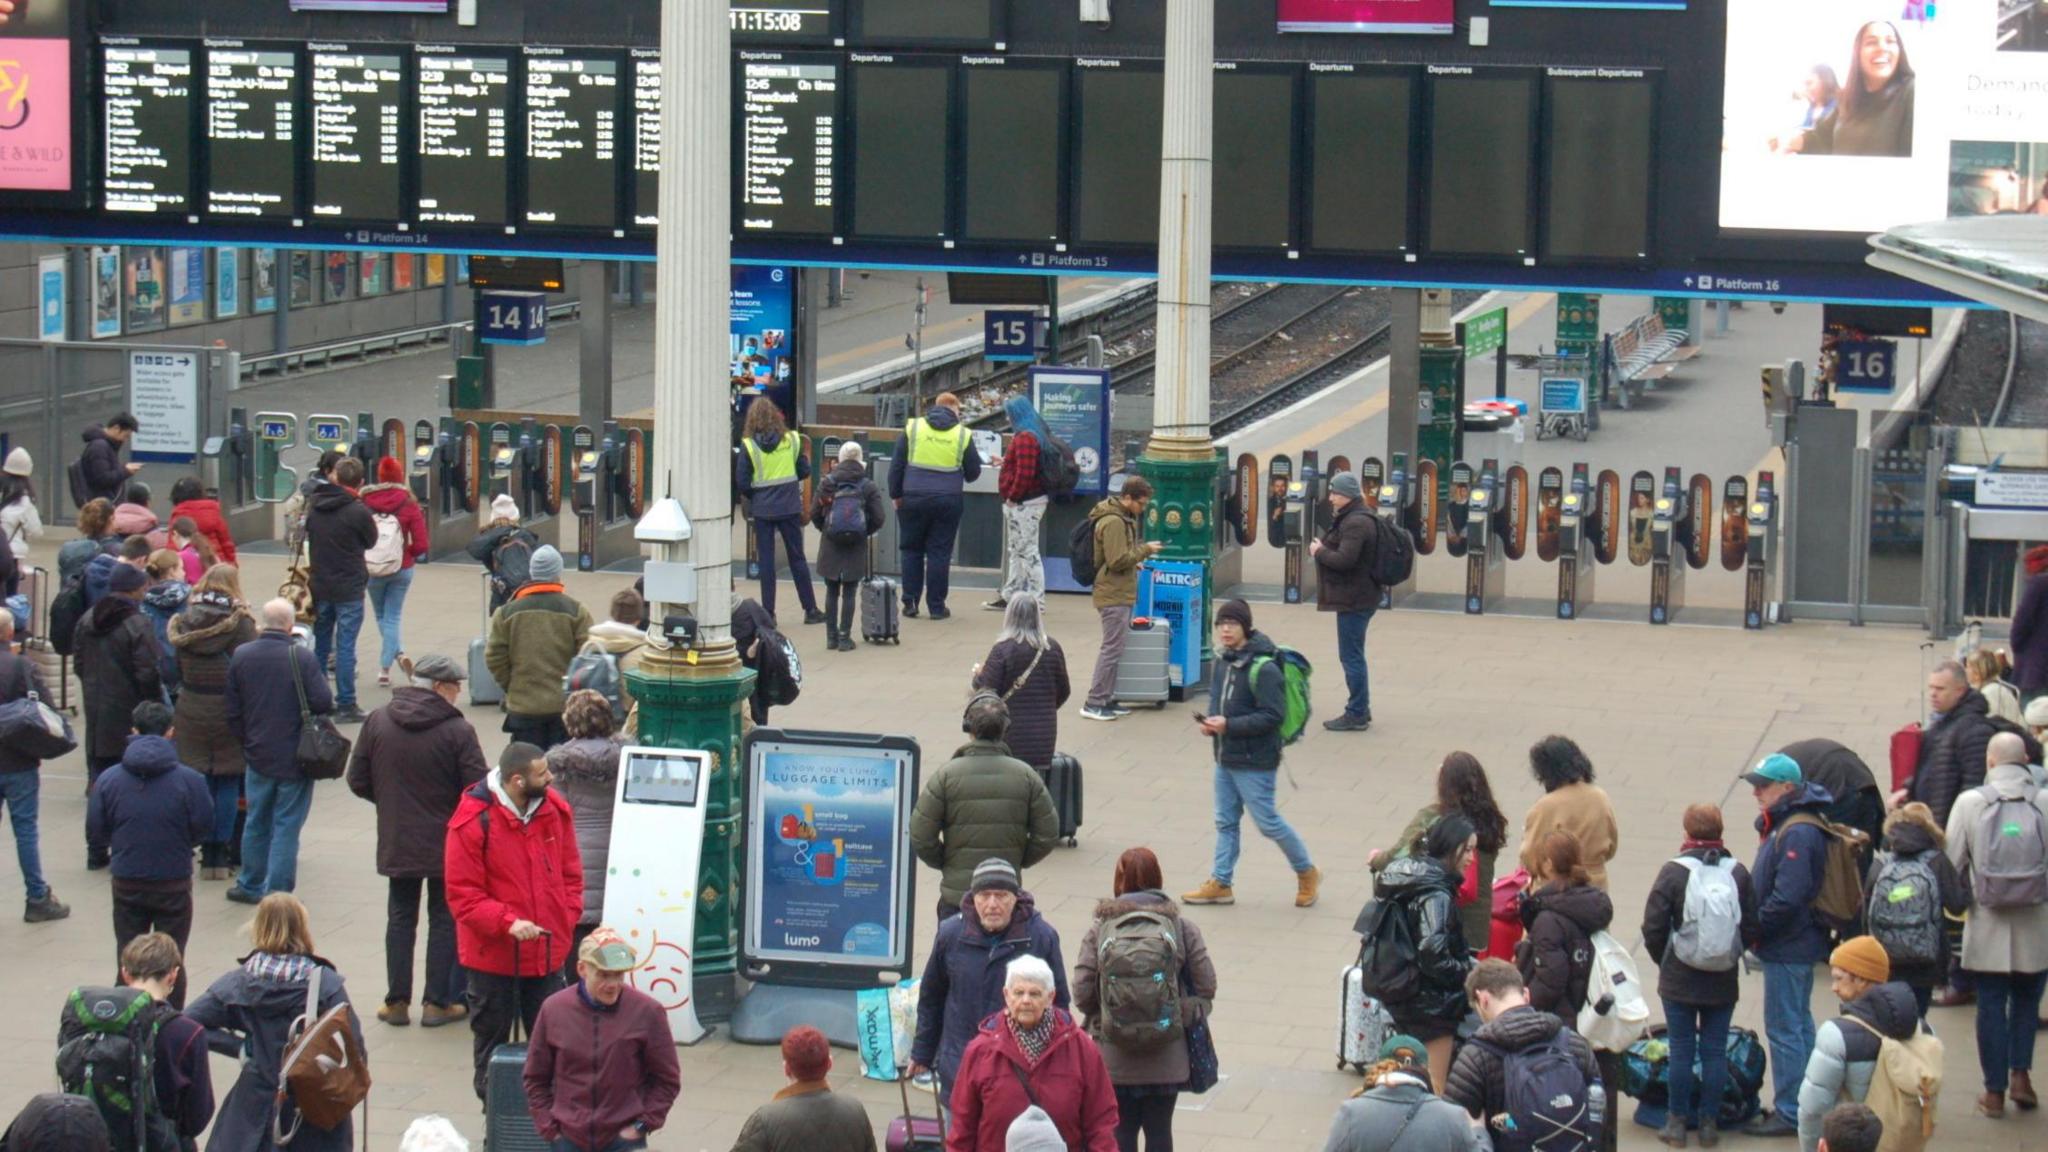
(106, 293)
(830, 865)
(1425, 17)
(437, 269)
(1075, 405)
(188, 285)
(35, 97)
(461, 269)
(338, 265)
(227, 282)
(263, 280)
(51, 282)
(302, 278)
(145, 301)
(163, 393)
(763, 315)
(373, 274)
(403, 278)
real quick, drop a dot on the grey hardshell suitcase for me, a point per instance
(881, 605)
(1142, 676)
(483, 687)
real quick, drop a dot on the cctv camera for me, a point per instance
(1778, 307)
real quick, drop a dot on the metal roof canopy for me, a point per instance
(1998, 260)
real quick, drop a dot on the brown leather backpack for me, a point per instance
(325, 1074)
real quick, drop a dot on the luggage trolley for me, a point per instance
(1563, 397)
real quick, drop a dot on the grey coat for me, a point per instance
(1167, 1065)
(1998, 939)
(1375, 1121)
(587, 775)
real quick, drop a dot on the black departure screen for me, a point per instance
(572, 140)
(358, 118)
(901, 125)
(1481, 149)
(788, 168)
(1012, 157)
(148, 127)
(1359, 157)
(1600, 155)
(1253, 173)
(252, 100)
(968, 23)
(783, 21)
(1116, 166)
(465, 125)
(646, 136)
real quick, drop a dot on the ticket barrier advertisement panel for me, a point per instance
(1576, 547)
(1485, 572)
(1760, 590)
(537, 471)
(392, 442)
(1668, 516)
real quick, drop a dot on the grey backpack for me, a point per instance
(2009, 852)
(1904, 913)
(1709, 937)
(1138, 962)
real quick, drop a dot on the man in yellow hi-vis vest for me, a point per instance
(769, 470)
(932, 466)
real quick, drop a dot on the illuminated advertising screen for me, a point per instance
(38, 150)
(1837, 122)
(1426, 17)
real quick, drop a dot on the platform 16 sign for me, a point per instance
(1865, 365)
(512, 317)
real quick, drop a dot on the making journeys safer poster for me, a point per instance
(831, 859)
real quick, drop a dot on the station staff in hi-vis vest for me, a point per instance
(931, 468)
(770, 472)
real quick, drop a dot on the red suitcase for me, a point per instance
(1905, 754)
(909, 1133)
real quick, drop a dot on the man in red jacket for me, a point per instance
(515, 886)
(601, 1071)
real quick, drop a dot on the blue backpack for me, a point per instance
(846, 521)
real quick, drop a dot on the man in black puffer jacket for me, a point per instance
(339, 529)
(115, 650)
(1952, 751)
(1478, 1079)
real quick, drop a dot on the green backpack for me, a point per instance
(1294, 670)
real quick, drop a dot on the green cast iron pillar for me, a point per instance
(1183, 511)
(685, 705)
(1440, 411)
(1578, 334)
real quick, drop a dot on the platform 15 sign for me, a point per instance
(1865, 365)
(1010, 335)
(512, 317)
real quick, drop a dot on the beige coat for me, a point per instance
(1583, 811)
(1997, 939)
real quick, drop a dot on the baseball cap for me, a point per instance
(607, 951)
(1777, 768)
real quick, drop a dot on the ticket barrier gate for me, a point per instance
(1395, 504)
(420, 459)
(537, 474)
(455, 481)
(1760, 579)
(1485, 567)
(609, 494)
(499, 458)
(1668, 516)
(229, 470)
(1577, 559)
(1301, 582)
(366, 447)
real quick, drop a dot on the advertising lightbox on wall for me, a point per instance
(1426, 17)
(38, 148)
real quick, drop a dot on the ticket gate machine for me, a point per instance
(274, 433)
(499, 457)
(1667, 549)
(1395, 505)
(605, 495)
(365, 447)
(230, 471)
(1760, 583)
(455, 481)
(420, 459)
(1576, 560)
(1300, 573)
(1485, 569)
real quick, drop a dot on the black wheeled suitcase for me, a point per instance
(1063, 779)
(508, 1125)
(881, 605)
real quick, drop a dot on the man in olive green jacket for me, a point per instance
(533, 639)
(982, 804)
(1118, 553)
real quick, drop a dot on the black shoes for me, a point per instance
(910, 609)
(814, 617)
(240, 895)
(45, 910)
(349, 715)
(845, 644)
(939, 613)
(1348, 723)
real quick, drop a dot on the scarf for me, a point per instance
(1032, 1040)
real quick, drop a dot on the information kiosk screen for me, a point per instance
(654, 778)
(465, 132)
(1482, 149)
(1254, 168)
(1116, 159)
(902, 127)
(1601, 153)
(358, 124)
(1013, 172)
(1362, 128)
(147, 129)
(252, 130)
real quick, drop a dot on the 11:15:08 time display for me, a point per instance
(788, 21)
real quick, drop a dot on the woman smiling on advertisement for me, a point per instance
(1873, 115)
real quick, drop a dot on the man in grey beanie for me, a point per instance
(533, 639)
(1343, 559)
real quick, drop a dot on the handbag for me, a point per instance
(325, 1073)
(1203, 1067)
(322, 753)
(32, 727)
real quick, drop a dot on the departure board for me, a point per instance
(788, 152)
(647, 137)
(572, 139)
(902, 129)
(1361, 141)
(1253, 172)
(778, 21)
(1482, 151)
(358, 123)
(465, 127)
(252, 100)
(1116, 158)
(147, 127)
(1012, 173)
(908, 23)
(1600, 154)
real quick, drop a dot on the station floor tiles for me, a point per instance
(1669, 717)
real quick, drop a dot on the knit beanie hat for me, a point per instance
(1236, 610)
(127, 578)
(1862, 956)
(545, 567)
(1034, 1131)
(994, 875)
(504, 507)
(1346, 485)
(18, 463)
(390, 471)
(54, 1122)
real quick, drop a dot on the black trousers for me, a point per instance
(841, 596)
(1152, 1115)
(145, 906)
(495, 1004)
(401, 930)
(542, 731)
(94, 765)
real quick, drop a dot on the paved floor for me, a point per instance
(1668, 716)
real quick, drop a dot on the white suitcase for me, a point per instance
(1145, 674)
(1363, 1023)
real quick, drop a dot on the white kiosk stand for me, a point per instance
(650, 893)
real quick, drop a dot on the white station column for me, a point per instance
(1180, 398)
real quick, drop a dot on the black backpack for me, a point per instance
(74, 475)
(67, 608)
(1547, 1104)
(1393, 553)
(1081, 545)
(510, 562)
(1387, 966)
(846, 517)
(106, 1052)
(1057, 468)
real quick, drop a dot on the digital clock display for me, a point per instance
(784, 20)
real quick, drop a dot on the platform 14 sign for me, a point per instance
(512, 317)
(1865, 365)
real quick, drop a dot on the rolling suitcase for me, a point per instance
(508, 1125)
(881, 605)
(1143, 675)
(1063, 779)
(483, 687)
(1363, 1023)
(909, 1133)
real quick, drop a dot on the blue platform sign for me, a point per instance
(1866, 365)
(516, 318)
(1011, 334)
(1075, 405)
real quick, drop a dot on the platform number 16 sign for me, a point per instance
(1865, 365)
(512, 317)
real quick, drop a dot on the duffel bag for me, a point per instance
(1645, 1071)
(35, 729)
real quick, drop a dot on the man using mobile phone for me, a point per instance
(1118, 552)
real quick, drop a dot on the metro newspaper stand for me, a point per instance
(830, 881)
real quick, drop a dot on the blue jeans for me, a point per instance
(227, 798)
(387, 604)
(791, 529)
(1351, 653)
(335, 628)
(2008, 1006)
(270, 838)
(1788, 1025)
(928, 525)
(1236, 790)
(1695, 1031)
(21, 792)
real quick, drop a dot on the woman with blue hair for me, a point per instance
(1022, 485)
